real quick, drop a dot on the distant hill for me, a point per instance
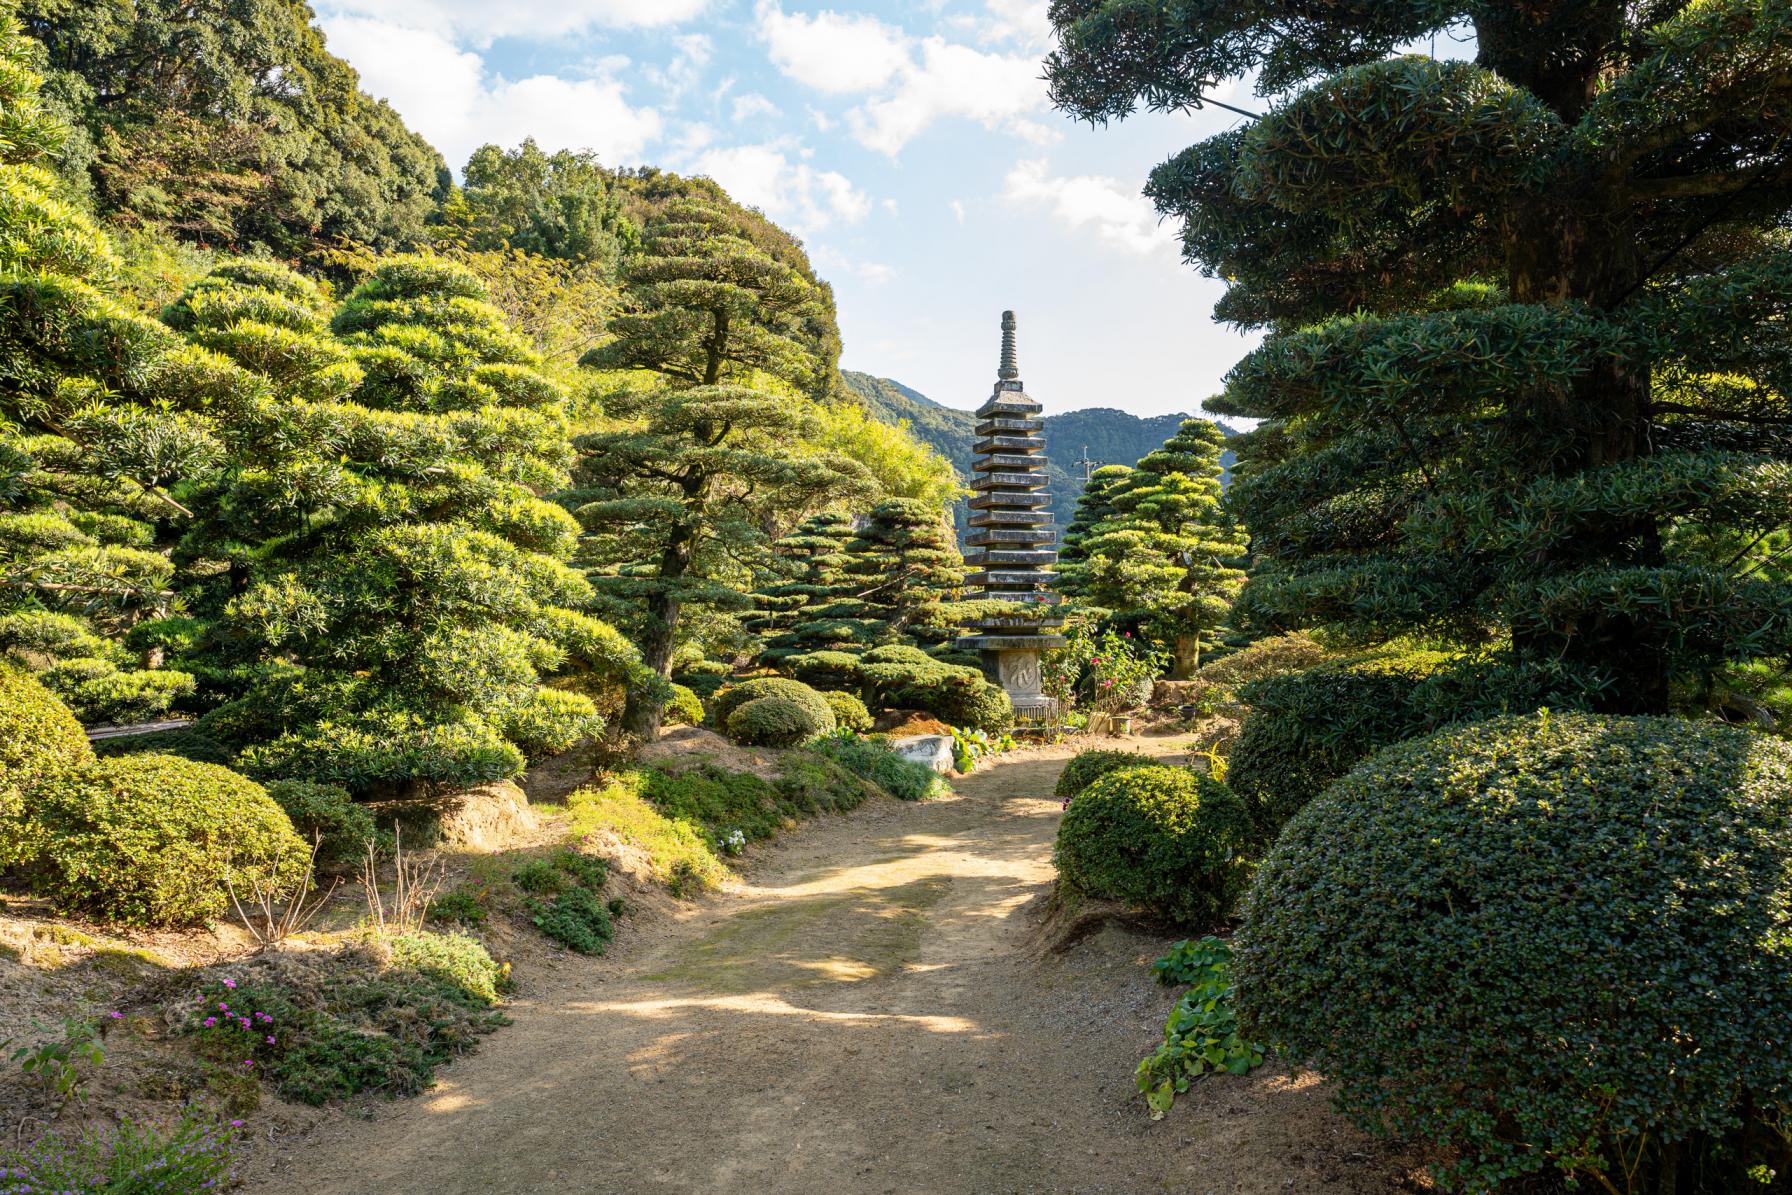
(1111, 437)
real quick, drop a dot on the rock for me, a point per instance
(488, 818)
(933, 750)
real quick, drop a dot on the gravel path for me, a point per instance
(870, 1010)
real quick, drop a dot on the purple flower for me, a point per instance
(270, 1039)
(116, 1016)
(230, 983)
(211, 1022)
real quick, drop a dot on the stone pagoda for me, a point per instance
(1011, 540)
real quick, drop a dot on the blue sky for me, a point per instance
(910, 145)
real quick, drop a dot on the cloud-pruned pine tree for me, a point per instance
(1165, 556)
(907, 577)
(402, 596)
(1094, 506)
(705, 451)
(808, 576)
(1527, 316)
(104, 415)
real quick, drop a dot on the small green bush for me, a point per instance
(149, 839)
(685, 708)
(849, 712)
(39, 739)
(576, 919)
(1543, 942)
(326, 815)
(777, 722)
(872, 759)
(717, 800)
(704, 684)
(731, 699)
(452, 958)
(1307, 729)
(551, 722)
(464, 904)
(184, 742)
(826, 669)
(1089, 766)
(323, 1029)
(813, 784)
(1164, 839)
(902, 677)
(680, 849)
(1201, 1035)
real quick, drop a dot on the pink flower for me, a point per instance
(116, 1016)
(270, 1039)
(223, 1007)
(230, 983)
(211, 1022)
(248, 1064)
(236, 1124)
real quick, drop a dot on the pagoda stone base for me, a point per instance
(1018, 672)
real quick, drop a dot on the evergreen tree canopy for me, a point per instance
(562, 205)
(907, 576)
(707, 453)
(1527, 316)
(810, 564)
(227, 122)
(1094, 507)
(1164, 556)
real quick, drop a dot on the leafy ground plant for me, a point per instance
(192, 1157)
(1201, 1035)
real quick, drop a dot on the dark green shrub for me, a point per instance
(704, 684)
(717, 800)
(826, 669)
(849, 712)
(464, 903)
(326, 815)
(563, 869)
(1088, 766)
(186, 743)
(39, 739)
(576, 919)
(729, 700)
(777, 722)
(149, 839)
(551, 722)
(902, 677)
(385, 747)
(1544, 942)
(1279, 655)
(1164, 839)
(684, 708)
(871, 759)
(1307, 729)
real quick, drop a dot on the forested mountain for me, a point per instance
(1109, 436)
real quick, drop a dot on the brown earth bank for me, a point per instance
(880, 1005)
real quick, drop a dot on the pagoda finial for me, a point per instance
(1010, 371)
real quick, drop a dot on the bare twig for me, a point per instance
(276, 919)
(415, 887)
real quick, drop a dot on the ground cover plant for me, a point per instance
(1201, 1036)
(194, 1154)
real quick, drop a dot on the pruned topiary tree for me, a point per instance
(1526, 314)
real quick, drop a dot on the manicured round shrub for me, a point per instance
(39, 739)
(825, 669)
(1279, 655)
(1089, 766)
(149, 839)
(778, 722)
(1542, 941)
(1306, 730)
(326, 815)
(729, 700)
(903, 677)
(551, 722)
(684, 708)
(1168, 840)
(849, 712)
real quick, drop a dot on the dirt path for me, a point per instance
(869, 1011)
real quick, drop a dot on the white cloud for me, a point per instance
(765, 177)
(958, 210)
(876, 273)
(831, 51)
(1023, 22)
(1117, 214)
(746, 107)
(536, 20)
(693, 52)
(999, 91)
(445, 94)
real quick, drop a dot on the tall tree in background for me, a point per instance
(907, 576)
(1094, 506)
(811, 564)
(1527, 316)
(677, 497)
(1167, 552)
(562, 205)
(227, 122)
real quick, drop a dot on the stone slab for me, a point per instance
(931, 750)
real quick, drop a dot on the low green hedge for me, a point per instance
(722, 707)
(1168, 840)
(149, 839)
(39, 739)
(1307, 729)
(1086, 767)
(849, 712)
(1544, 942)
(326, 815)
(777, 722)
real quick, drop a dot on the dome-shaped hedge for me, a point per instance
(1307, 729)
(722, 707)
(1165, 839)
(39, 738)
(849, 712)
(1086, 767)
(149, 839)
(778, 722)
(684, 707)
(1538, 939)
